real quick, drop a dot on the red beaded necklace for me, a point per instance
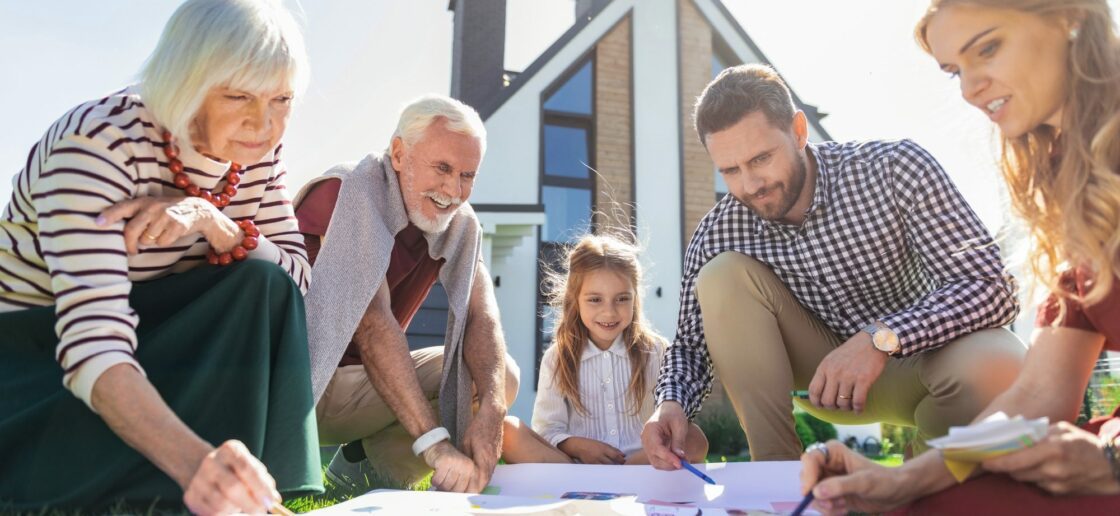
(219, 200)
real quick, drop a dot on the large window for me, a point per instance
(567, 181)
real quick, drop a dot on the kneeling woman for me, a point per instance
(150, 284)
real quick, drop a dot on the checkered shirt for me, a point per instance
(887, 238)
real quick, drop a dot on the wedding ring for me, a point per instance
(150, 237)
(818, 447)
(843, 397)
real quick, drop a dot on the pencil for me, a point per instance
(803, 505)
(691, 468)
(278, 508)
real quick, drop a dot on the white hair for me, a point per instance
(250, 45)
(419, 114)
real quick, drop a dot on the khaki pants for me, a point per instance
(351, 409)
(763, 344)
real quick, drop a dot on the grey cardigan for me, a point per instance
(352, 264)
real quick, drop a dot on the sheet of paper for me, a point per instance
(739, 485)
(966, 446)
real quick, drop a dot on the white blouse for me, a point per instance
(603, 380)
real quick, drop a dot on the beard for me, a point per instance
(790, 192)
(413, 205)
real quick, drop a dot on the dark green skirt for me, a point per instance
(226, 347)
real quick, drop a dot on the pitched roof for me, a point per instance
(812, 112)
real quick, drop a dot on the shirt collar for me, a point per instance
(592, 351)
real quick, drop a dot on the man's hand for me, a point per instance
(1068, 461)
(454, 471)
(846, 374)
(482, 442)
(844, 480)
(590, 451)
(663, 436)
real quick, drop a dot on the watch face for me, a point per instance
(885, 340)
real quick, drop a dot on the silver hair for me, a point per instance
(419, 114)
(250, 45)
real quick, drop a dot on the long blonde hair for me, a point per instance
(592, 253)
(1071, 203)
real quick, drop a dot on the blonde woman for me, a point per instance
(1047, 72)
(151, 272)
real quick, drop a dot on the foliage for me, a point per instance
(725, 435)
(897, 438)
(812, 430)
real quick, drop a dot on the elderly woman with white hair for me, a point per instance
(151, 271)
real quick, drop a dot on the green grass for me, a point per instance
(891, 461)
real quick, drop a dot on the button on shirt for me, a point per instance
(887, 237)
(604, 376)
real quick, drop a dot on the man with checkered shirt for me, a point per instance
(856, 271)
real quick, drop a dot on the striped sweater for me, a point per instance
(52, 252)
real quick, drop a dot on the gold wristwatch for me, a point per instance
(883, 338)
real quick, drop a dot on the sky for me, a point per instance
(856, 60)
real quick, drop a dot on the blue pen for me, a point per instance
(803, 505)
(697, 472)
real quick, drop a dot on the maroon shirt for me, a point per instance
(1102, 317)
(411, 274)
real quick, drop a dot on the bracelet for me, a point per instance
(240, 251)
(1113, 456)
(430, 439)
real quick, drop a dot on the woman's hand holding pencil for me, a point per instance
(841, 480)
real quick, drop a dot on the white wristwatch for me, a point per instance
(883, 338)
(430, 439)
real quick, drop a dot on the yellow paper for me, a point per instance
(962, 463)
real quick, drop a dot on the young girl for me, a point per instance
(596, 379)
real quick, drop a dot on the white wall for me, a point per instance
(657, 157)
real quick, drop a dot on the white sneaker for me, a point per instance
(356, 476)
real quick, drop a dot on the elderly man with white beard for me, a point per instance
(379, 233)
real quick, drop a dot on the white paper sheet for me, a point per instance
(739, 485)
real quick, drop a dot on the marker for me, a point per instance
(691, 468)
(799, 394)
(803, 505)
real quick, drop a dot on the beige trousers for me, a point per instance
(351, 409)
(764, 344)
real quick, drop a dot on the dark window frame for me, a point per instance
(566, 119)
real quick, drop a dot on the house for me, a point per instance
(594, 134)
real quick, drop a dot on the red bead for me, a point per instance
(181, 180)
(171, 151)
(239, 253)
(249, 242)
(221, 200)
(225, 259)
(175, 165)
(252, 231)
(166, 136)
(234, 167)
(211, 257)
(233, 179)
(206, 196)
(193, 190)
(230, 190)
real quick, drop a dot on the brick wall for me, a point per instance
(696, 68)
(613, 134)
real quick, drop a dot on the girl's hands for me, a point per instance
(590, 451)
